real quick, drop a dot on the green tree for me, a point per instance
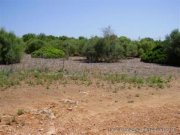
(11, 48)
(172, 47)
(106, 49)
(132, 50)
(147, 44)
(28, 37)
(33, 45)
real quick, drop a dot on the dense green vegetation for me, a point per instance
(11, 48)
(48, 52)
(172, 48)
(156, 55)
(166, 52)
(109, 48)
(34, 45)
(105, 49)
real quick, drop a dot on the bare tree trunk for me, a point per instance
(62, 69)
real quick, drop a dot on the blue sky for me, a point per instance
(131, 18)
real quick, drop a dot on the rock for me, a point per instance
(69, 101)
(45, 112)
(41, 129)
(86, 93)
(6, 119)
(69, 109)
(51, 131)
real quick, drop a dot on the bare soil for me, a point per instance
(77, 109)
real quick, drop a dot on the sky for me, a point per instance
(132, 18)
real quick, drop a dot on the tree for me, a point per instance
(107, 32)
(132, 50)
(172, 47)
(106, 49)
(147, 44)
(11, 48)
(33, 45)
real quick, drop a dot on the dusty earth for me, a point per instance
(77, 109)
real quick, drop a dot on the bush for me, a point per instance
(33, 45)
(157, 55)
(28, 37)
(48, 52)
(89, 50)
(132, 50)
(11, 48)
(147, 44)
(172, 47)
(167, 52)
(103, 50)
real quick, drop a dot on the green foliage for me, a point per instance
(33, 45)
(48, 52)
(89, 50)
(110, 48)
(172, 48)
(157, 55)
(8, 78)
(28, 37)
(167, 52)
(20, 112)
(124, 42)
(147, 44)
(132, 50)
(103, 50)
(152, 81)
(140, 52)
(11, 48)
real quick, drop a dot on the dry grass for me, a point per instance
(129, 66)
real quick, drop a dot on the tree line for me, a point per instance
(109, 48)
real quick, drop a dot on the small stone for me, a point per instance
(41, 129)
(69, 109)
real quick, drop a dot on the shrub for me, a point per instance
(28, 37)
(20, 112)
(48, 52)
(89, 50)
(172, 47)
(11, 48)
(157, 55)
(167, 52)
(33, 45)
(103, 50)
(147, 44)
(132, 50)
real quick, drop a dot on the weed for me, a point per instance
(11, 77)
(20, 112)
(131, 101)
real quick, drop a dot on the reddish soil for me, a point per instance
(78, 109)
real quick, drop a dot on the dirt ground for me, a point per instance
(74, 109)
